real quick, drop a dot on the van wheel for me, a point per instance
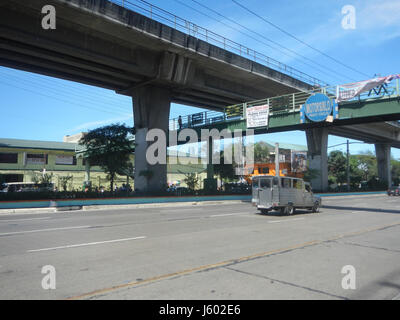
(315, 209)
(287, 211)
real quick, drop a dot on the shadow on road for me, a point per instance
(279, 214)
(361, 209)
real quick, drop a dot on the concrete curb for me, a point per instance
(116, 206)
(151, 205)
(163, 204)
(27, 211)
(352, 196)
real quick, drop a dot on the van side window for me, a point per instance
(255, 183)
(298, 184)
(265, 183)
(276, 182)
(286, 183)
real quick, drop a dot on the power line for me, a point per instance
(60, 92)
(262, 36)
(299, 40)
(81, 94)
(62, 100)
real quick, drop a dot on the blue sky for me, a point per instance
(43, 108)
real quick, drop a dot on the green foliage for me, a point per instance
(261, 152)
(42, 178)
(109, 147)
(191, 181)
(395, 172)
(310, 174)
(363, 170)
(64, 181)
(337, 167)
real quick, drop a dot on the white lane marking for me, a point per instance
(86, 244)
(16, 220)
(276, 221)
(227, 214)
(43, 230)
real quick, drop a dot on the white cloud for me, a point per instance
(94, 124)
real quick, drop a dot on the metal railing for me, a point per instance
(280, 105)
(153, 12)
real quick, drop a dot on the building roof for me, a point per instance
(283, 145)
(37, 144)
(70, 146)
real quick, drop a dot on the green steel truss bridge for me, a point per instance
(379, 105)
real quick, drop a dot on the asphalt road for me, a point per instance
(225, 251)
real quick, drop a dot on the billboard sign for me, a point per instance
(257, 116)
(318, 107)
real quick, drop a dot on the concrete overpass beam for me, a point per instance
(317, 142)
(151, 107)
(382, 151)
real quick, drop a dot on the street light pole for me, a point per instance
(277, 159)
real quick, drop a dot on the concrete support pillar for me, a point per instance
(210, 184)
(317, 142)
(151, 107)
(210, 166)
(382, 151)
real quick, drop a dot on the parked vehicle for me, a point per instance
(284, 194)
(394, 191)
(27, 187)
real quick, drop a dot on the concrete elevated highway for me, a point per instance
(100, 43)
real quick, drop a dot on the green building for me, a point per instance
(23, 160)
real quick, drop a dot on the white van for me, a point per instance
(284, 194)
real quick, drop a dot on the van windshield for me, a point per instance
(265, 183)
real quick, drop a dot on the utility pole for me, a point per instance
(348, 167)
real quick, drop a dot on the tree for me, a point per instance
(311, 174)
(395, 172)
(64, 180)
(109, 147)
(261, 152)
(368, 165)
(337, 166)
(42, 178)
(191, 181)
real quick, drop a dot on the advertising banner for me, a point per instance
(299, 161)
(349, 91)
(257, 116)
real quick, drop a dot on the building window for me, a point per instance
(265, 170)
(12, 178)
(36, 158)
(66, 160)
(8, 157)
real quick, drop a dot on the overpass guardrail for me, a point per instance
(280, 105)
(153, 12)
